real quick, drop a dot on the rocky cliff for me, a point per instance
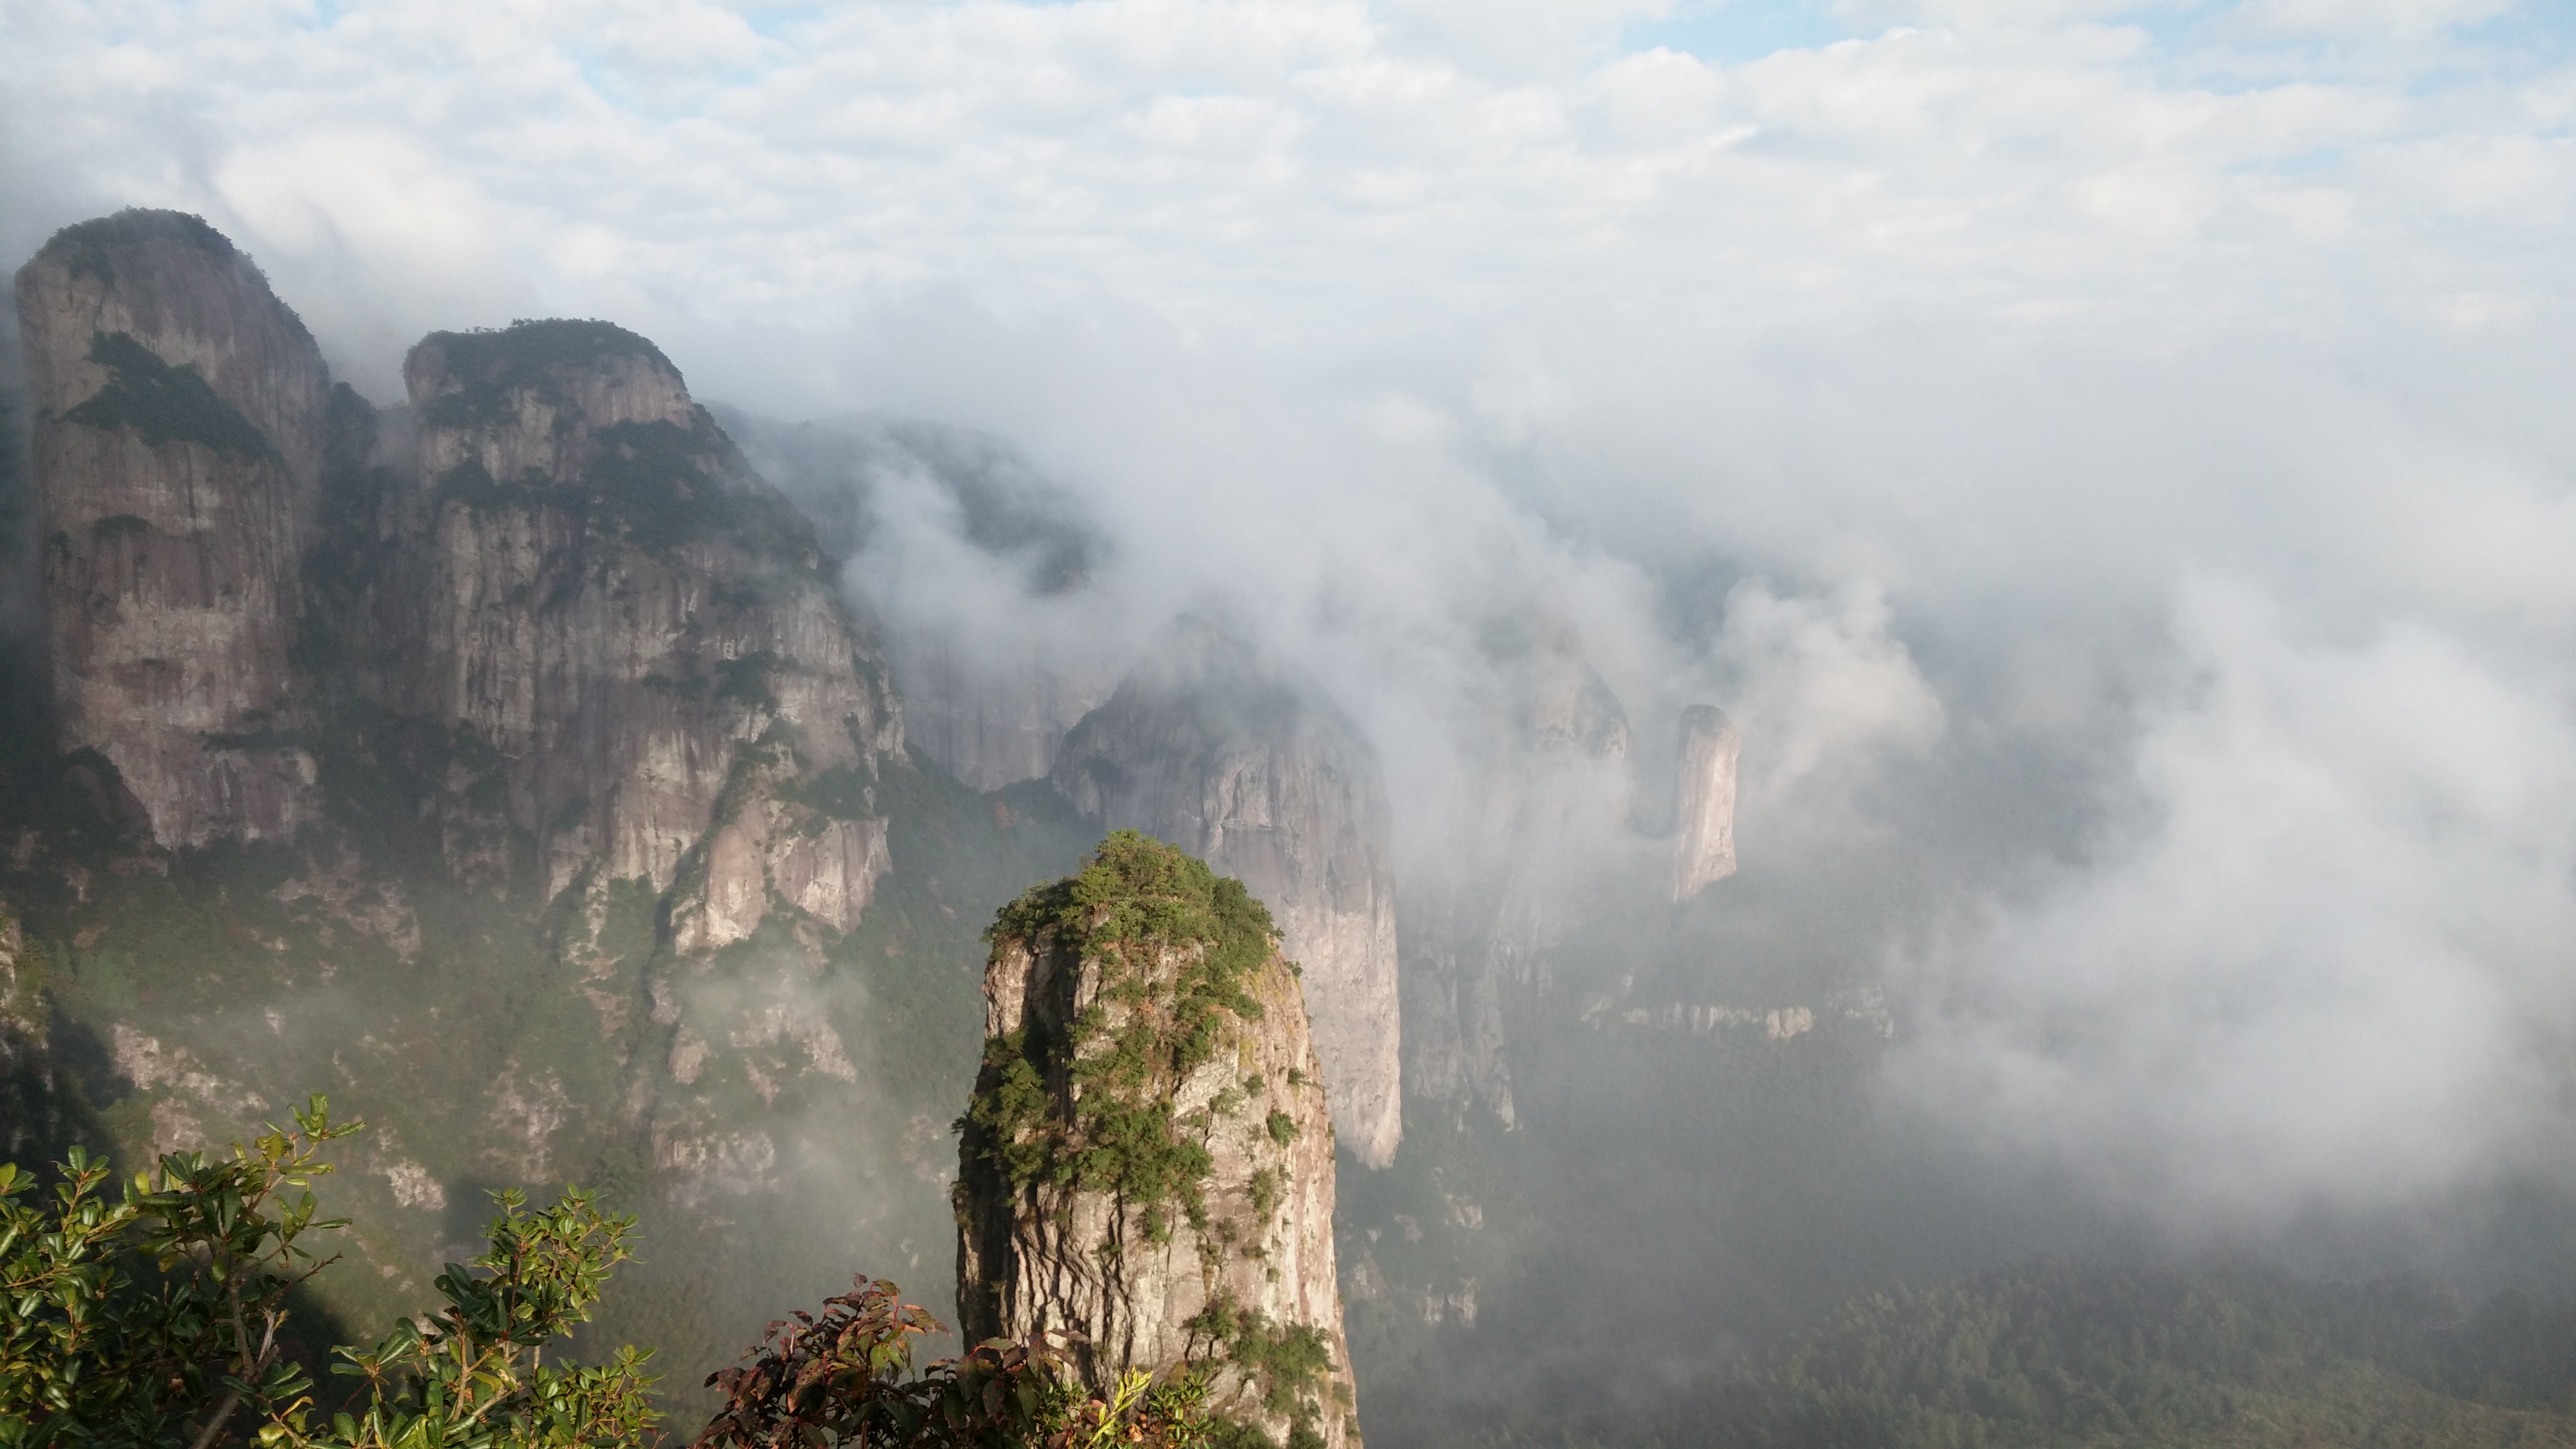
(1704, 801)
(525, 703)
(178, 419)
(626, 647)
(29, 1105)
(1148, 1158)
(641, 638)
(1212, 749)
(1547, 809)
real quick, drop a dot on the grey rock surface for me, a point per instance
(178, 410)
(1205, 746)
(1137, 1282)
(1704, 801)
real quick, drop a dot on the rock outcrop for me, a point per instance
(1208, 747)
(178, 420)
(539, 644)
(1148, 1159)
(1704, 801)
(628, 632)
(617, 652)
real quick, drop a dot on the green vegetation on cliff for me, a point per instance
(1175, 945)
(162, 403)
(658, 486)
(492, 366)
(83, 247)
(1290, 1363)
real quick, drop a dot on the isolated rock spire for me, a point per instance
(1147, 1160)
(1704, 801)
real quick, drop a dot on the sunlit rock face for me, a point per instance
(178, 420)
(1216, 1263)
(628, 646)
(564, 749)
(1205, 746)
(1704, 801)
(629, 632)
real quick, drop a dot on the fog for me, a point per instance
(2112, 461)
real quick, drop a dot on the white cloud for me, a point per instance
(1976, 334)
(2324, 962)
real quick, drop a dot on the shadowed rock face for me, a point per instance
(178, 410)
(1212, 1244)
(1208, 749)
(1704, 801)
(29, 1104)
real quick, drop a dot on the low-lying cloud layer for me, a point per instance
(2113, 459)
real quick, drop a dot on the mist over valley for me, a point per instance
(1891, 681)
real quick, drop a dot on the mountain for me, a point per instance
(180, 414)
(515, 763)
(509, 763)
(1704, 801)
(1210, 746)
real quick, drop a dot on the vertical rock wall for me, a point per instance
(1149, 1169)
(1704, 801)
(639, 634)
(177, 409)
(1204, 747)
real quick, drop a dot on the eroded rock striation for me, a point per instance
(1147, 1161)
(533, 668)
(1209, 747)
(618, 653)
(177, 424)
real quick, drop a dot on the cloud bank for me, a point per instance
(2113, 456)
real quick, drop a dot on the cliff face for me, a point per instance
(556, 561)
(27, 1102)
(634, 632)
(178, 420)
(1551, 792)
(991, 721)
(1704, 801)
(531, 679)
(1206, 748)
(1148, 1158)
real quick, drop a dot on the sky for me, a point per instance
(2111, 458)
